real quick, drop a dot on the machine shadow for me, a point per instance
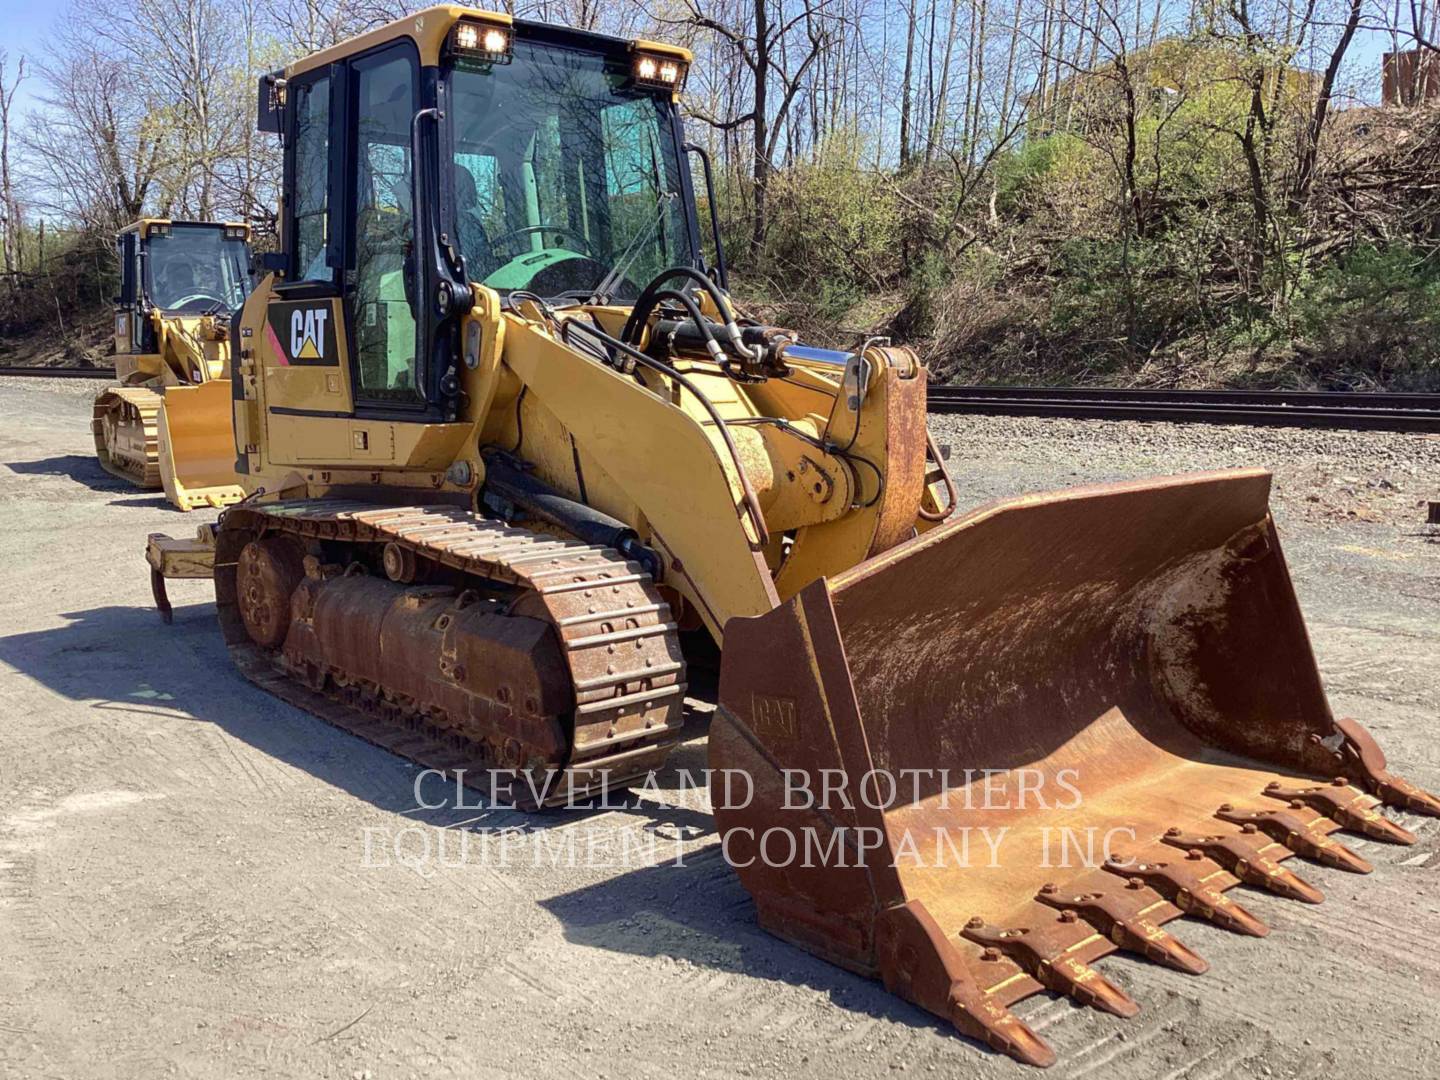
(147, 502)
(125, 660)
(81, 468)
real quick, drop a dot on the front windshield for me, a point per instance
(196, 268)
(563, 171)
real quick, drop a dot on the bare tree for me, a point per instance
(761, 39)
(9, 206)
(99, 146)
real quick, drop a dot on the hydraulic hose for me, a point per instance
(504, 478)
(645, 304)
(701, 324)
(952, 496)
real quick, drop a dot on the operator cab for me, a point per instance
(454, 149)
(194, 269)
(177, 268)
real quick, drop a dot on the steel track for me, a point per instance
(1284, 408)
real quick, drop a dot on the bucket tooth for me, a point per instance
(1043, 951)
(1120, 914)
(1185, 883)
(919, 963)
(1242, 854)
(1350, 807)
(1360, 755)
(1306, 838)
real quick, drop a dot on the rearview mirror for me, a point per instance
(270, 103)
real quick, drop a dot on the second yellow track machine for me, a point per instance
(167, 425)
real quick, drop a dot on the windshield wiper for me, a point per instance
(601, 293)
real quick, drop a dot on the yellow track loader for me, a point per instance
(515, 461)
(167, 425)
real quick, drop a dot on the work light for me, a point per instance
(481, 42)
(661, 72)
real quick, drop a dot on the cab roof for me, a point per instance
(429, 28)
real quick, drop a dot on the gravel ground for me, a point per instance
(197, 880)
(1320, 476)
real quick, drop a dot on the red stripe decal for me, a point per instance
(275, 346)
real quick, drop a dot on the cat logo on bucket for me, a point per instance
(302, 333)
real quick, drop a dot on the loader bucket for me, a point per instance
(197, 446)
(987, 757)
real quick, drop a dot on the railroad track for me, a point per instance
(1265, 408)
(58, 372)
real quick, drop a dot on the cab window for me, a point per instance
(312, 180)
(384, 262)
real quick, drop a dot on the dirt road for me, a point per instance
(196, 880)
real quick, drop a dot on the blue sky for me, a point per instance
(26, 23)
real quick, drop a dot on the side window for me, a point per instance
(547, 166)
(312, 174)
(126, 252)
(479, 212)
(384, 313)
(634, 177)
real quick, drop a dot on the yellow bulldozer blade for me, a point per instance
(980, 761)
(197, 446)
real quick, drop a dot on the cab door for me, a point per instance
(343, 367)
(308, 396)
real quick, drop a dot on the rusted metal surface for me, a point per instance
(1301, 834)
(906, 436)
(939, 473)
(920, 963)
(266, 575)
(1128, 917)
(510, 651)
(1358, 754)
(126, 443)
(1143, 641)
(1193, 883)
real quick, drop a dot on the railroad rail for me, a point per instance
(1264, 408)
(58, 372)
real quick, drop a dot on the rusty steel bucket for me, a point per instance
(196, 445)
(1120, 685)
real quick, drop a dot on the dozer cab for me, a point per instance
(167, 424)
(515, 461)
